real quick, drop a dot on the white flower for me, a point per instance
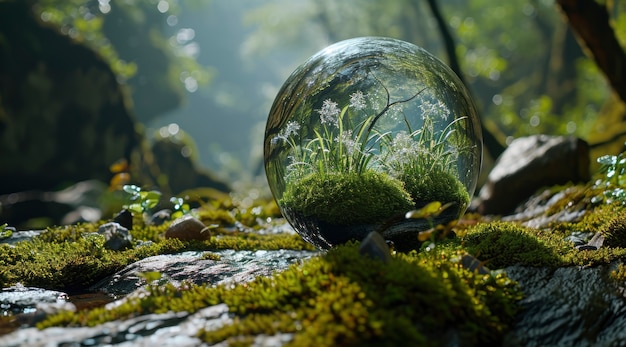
(328, 112)
(434, 109)
(357, 100)
(444, 112)
(427, 108)
(403, 142)
(348, 142)
(291, 127)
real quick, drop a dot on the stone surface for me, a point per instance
(124, 218)
(167, 329)
(568, 307)
(170, 329)
(233, 266)
(16, 298)
(80, 202)
(528, 164)
(539, 210)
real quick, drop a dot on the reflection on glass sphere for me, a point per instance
(363, 132)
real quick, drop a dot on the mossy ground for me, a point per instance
(436, 186)
(338, 297)
(348, 198)
(71, 258)
(344, 298)
(370, 197)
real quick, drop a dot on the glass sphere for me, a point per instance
(365, 131)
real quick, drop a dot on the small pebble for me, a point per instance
(188, 228)
(116, 237)
(374, 245)
(124, 218)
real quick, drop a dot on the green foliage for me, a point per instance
(141, 201)
(5, 232)
(613, 168)
(71, 17)
(343, 298)
(132, 38)
(553, 88)
(331, 176)
(349, 198)
(435, 186)
(502, 244)
(181, 208)
(619, 275)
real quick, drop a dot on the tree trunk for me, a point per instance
(492, 145)
(590, 22)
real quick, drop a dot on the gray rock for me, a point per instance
(124, 218)
(568, 307)
(528, 164)
(116, 237)
(17, 297)
(233, 266)
(167, 329)
(22, 235)
(549, 206)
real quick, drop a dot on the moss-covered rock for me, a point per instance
(343, 298)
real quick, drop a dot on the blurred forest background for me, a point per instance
(228, 59)
(206, 71)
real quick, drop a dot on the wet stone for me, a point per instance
(233, 266)
(167, 329)
(160, 217)
(22, 235)
(535, 212)
(579, 238)
(17, 298)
